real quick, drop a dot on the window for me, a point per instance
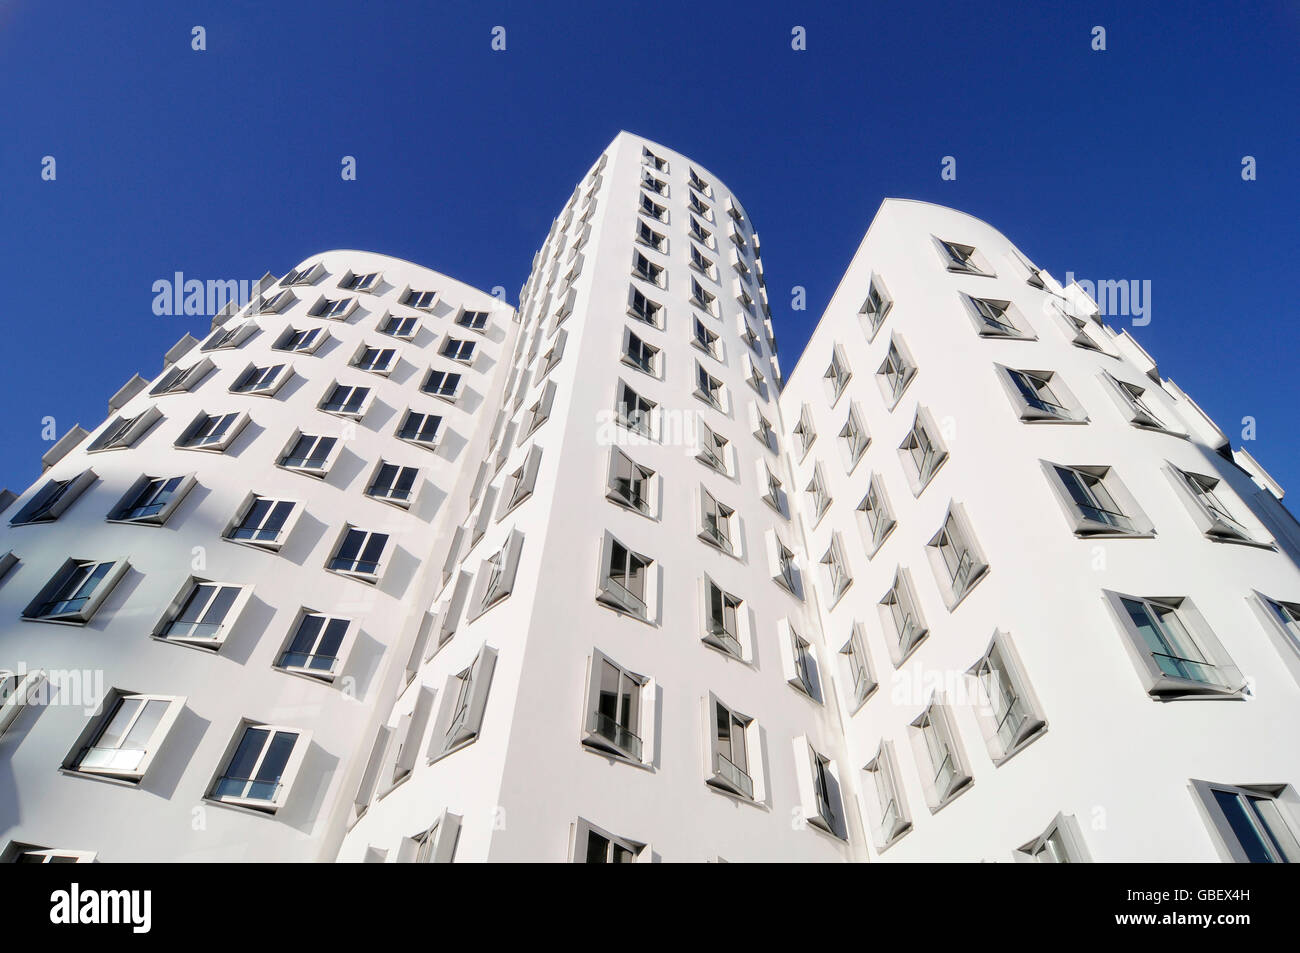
(179, 380)
(648, 236)
(260, 768)
(650, 159)
(754, 377)
(964, 259)
(697, 183)
(301, 276)
(125, 738)
(629, 484)
(853, 438)
(901, 618)
(1204, 501)
(17, 853)
(367, 282)
(837, 376)
(310, 453)
(591, 845)
(729, 745)
(467, 693)
(125, 431)
(774, 495)
(19, 690)
(800, 668)
(653, 209)
(895, 372)
(76, 591)
(540, 411)
(705, 339)
(713, 446)
(722, 619)
(804, 431)
(861, 682)
(1176, 652)
(625, 579)
(261, 381)
(423, 300)
(375, 359)
(212, 432)
(921, 452)
(437, 845)
(817, 494)
(634, 412)
(763, 431)
(1252, 824)
(474, 320)
(420, 428)
(1040, 396)
(616, 698)
(944, 773)
(152, 500)
(519, 484)
(229, 336)
(715, 522)
(347, 401)
(264, 522)
(51, 500)
(1096, 502)
(643, 309)
(836, 568)
(888, 815)
(458, 350)
(1129, 397)
(957, 562)
(276, 303)
(400, 327)
(203, 614)
(337, 308)
(444, 384)
(393, 483)
(359, 554)
(701, 208)
(637, 353)
(996, 319)
(646, 270)
(1009, 714)
(819, 789)
(549, 360)
(782, 563)
(306, 341)
(876, 308)
(702, 264)
(875, 519)
(316, 645)
(1061, 843)
(1285, 616)
(702, 298)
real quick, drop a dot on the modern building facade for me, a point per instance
(384, 570)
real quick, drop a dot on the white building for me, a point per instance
(386, 571)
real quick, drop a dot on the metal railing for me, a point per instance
(728, 771)
(620, 736)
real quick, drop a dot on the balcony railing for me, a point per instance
(729, 772)
(620, 736)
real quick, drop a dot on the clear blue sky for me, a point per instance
(225, 164)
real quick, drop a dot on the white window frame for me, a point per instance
(1010, 715)
(1065, 409)
(875, 530)
(615, 595)
(900, 617)
(608, 735)
(1061, 843)
(933, 734)
(924, 437)
(221, 633)
(861, 683)
(40, 608)
(1112, 512)
(244, 511)
(288, 774)
(124, 768)
(955, 542)
(885, 798)
(1277, 834)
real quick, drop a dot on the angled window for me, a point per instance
(400, 327)
(901, 619)
(1009, 714)
(723, 618)
(1176, 651)
(862, 681)
(754, 377)
(643, 309)
(646, 270)
(420, 428)
(316, 646)
(703, 299)
(648, 158)
(697, 183)
(648, 236)
(125, 738)
(804, 431)
(276, 303)
(713, 448)
(261, 381)
(377, 360)
(818, 496)
(730, 734)
(1203, 497)
(261, 766)
(519, 483)
(630, 484)
(1096, 502)
(1251, 824)
(347, 400)
(474, 320)
(698, 231)
(337, 309)
(781, 562)
(444, 384)
(701, 263)
(1132, 403)
(591, 845)
(888, 816)
(229, 336)
(467, 691)
(704, 339)
(854, 439)
(76, 591)
(366, 282)
(458, 350)
(264, 522)
(837, 375)
(393, 483)
(653, 209)
(773, 494)
(151, 500)
(955, 557)
(800, 669)
(875, 518)
(180, 380)
(203, 614)
(125, 431)
(1040, 396)
(875, 308)
(637, 353)
(423, 300)
(550, 358)
(540, 411)
(1061, 843)
(310, 453)
(304, 342)
(302, 276)
(819, 789)
(895, 372)
(617, 700)
(836, 568)
(625, 579)
(51, 500)
(996, 319)
(944, 771)
(921, 452)
(359, 554)
(437, 845)
(1284, 615)
(716, 522)
(19, 691)
(634, 411)
(963, 259)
